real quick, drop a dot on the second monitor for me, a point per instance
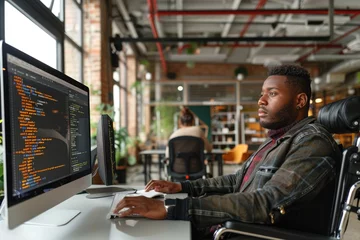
(105, 150)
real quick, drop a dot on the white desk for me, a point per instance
(91, 223)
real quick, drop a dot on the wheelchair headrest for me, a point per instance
(342, 116)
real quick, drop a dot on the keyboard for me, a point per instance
(117, 198)
(151, 194)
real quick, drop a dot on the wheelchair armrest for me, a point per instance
(266, 232)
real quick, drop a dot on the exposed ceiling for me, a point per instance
(241, 31)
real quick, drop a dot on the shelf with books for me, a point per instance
(224, 125)
(251, 131)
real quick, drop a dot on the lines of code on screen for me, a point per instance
(48, 130)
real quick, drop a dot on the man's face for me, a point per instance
(277, 103)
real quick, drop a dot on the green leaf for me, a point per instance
(132, 160)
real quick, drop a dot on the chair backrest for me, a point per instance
(343, 117)
(186, 158)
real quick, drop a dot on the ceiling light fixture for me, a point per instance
(317, 80)
(318, 100)
(351, 91)
(148, 76)
(240, 76)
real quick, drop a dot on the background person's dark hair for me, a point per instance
(186, 117)
(298, 77)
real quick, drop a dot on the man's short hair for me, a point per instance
(298, 77)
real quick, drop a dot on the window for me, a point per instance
(42, 30)
(55, 7)
(116, 96)
(73, 21)
(73, 40)
(27, 36)
(73, 60)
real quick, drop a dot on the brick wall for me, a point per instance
(131, 96)
(97, 67)
(221, 71)
(213, 70)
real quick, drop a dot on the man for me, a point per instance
(288, 181)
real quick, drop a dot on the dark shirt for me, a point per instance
(274, 135)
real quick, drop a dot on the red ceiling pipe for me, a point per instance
(258, 12)
(260, 4)
(316, 49)
(180, 49)
(152, 8)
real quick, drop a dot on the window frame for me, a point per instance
(42, 16)
(72, 42)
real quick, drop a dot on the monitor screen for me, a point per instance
(46, 128)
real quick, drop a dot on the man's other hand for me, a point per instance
(146, 207)
(163, 186)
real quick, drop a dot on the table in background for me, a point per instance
(147, 160)
(91, 224)
(217, 153)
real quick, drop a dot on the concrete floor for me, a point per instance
(135, 177)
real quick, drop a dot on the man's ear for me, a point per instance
(301, 101)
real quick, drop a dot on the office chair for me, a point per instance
(236, 155)
(338, 117)
(186, 158)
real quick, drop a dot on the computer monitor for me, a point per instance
(46, 136)
(105, 150)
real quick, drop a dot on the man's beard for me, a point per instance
(281, 119)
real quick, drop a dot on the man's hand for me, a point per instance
(146, 207)
(163, 186)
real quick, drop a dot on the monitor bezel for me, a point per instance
(10, 199)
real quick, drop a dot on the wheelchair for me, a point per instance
(338, 117)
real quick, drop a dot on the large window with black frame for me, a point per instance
(49, 30)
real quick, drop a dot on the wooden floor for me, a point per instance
(136, 178)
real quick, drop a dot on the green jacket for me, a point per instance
(289, 186)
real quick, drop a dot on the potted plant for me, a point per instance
(121, 140)
(125, 152)
(164, 124)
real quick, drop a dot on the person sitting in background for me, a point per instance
(288, 182)
(187, 128)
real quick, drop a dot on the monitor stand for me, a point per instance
(52, 217)
(106, 191)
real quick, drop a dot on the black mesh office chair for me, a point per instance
(339, 117)
(186, 158)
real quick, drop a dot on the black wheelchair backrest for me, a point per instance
(342, 116)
